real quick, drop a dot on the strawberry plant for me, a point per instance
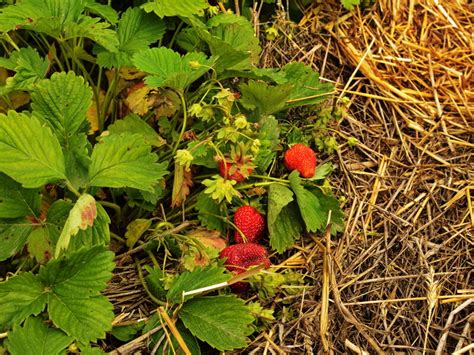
(153, 127)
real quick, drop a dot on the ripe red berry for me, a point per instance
(242, 256)
(233, 171)
(302, 158)
(250, 222)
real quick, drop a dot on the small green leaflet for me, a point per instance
(310, 208)
(168, 69)
(29, 68)
(269, 136)
(31, 154)
(283, 221)
(39, 245)
(155, 282)
(182, 8)
(104, 11)
(77, 159)
(330, 203)
(322, 171)
(13, 236)
(134, 124)
(21, 296)
(201, 277)
(136, 31)
(16, 201)
(81, 216)
(222, 321)
(125, 161)
(63, 101)
(266, 98)
(210, 213)
(349, 4)
(36, 338)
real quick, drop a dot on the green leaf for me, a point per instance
(284, 224)
(74, 301)
(330, 203)
(310, 208)
(349, 4)
(39, 245)
(222, 321)
(135, 230)
(29, 68)
(81, 216)
(307, 89)
(168, 69)
(269, 136)
(134, 124)
(266, 98)
(201, 277)
(36, 338)
(16, 201)
(136, 31)
(63, 101)
(170, 8)
(13, 236)
(31, 154)
(77, 160)
(125, 161)
(104, 11)
(56, 218)
(92, 28)
(155, 282)
(322, 171)
(210, 213)
(20, 297)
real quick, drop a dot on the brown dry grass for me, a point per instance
(401, 276)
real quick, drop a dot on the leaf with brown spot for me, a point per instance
(183, 181)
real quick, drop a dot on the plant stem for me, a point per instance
(185, 121)
(72, 188)
(145, 286)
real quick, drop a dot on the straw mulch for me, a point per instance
(400, 279)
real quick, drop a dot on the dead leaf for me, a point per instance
(92, 115)
(135, 230)
(182, 183)
(129, 73)
(167, 104)
(210, 239)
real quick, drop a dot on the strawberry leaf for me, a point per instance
(184, 8)
(210, 213)
(13, 236)
(330, 203)
(134, 124)
(222, 321)
(265, 98)
(63, 101)
(16, 201)
(36, 338)
(201, 277)
(21, 296)
(310, 208)
(284, 223)
(31, 154)
(125, 161)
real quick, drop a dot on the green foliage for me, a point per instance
(28, 66)
(62, 101)
(168, 69)
(125, 160)
(167, 8)
(13, 236)
(71, 288)
(136, 31)
(267, 99)
(30, 153)
(16, 201)
(210, 213)
(36, 338)
(201, 277)
(222, 321)
(135, 125)
(349, 4)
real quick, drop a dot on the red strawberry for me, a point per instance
(302, 158)
(250, 222)
(242, 256)
(234, 171)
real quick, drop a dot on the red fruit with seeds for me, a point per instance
(302, 158)
(250, 222)
(242, 256)
(234, 171)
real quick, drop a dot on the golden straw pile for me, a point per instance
(400, 279)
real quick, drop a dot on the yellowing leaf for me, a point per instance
(183, 180)
(92, 115)
(140, 98)
(135, 230)
(81, 216)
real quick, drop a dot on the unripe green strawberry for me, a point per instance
(302, 158)
(240, 257)
(250, 222)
